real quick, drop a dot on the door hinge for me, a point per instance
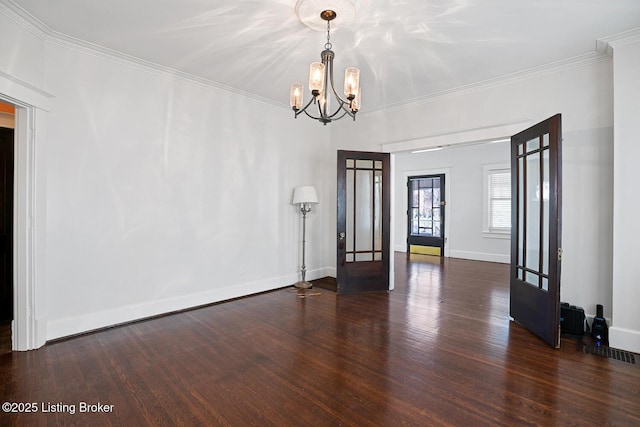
(559, 254)
(443, 203)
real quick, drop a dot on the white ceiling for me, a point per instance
(406, 49)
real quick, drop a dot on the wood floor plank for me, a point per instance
(438, 350)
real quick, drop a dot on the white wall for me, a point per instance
(625, 330)
(161, 193)
(582, 92)
(165, 194)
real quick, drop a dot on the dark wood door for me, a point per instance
(6, 224)
(425, 214)
(363, 222)
(536, 207)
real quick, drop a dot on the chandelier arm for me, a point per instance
(341, 108)
(333, 88)
(297, 112)
(344, 113)
(310, 116)
(347, 109)
(320, 108)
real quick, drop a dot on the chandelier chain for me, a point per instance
(328, 44)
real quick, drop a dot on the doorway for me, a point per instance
(7, 113)
(425, 214)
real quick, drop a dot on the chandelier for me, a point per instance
(321, 86)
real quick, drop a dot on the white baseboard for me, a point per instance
(481, 256)
(327, 272)
(59, 328)
(624, 339)
(400, 248)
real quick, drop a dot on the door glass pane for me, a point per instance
(364, 164)
(545, 211)
(349, 210)
(377, 211)
(367, 256)
(545, 284)
(532, 255)
(545, 140)
(415, 215)
(521, 199)
(436, 214)
(532, 279)
(363, 210)
(533, 144)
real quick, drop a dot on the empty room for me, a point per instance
(442, 232)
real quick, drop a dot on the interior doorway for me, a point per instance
(7, 145)
(425, 214)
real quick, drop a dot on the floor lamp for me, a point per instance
(304, 196)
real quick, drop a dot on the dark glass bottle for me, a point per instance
(599, 330)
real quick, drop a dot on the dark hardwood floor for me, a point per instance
(438, 350)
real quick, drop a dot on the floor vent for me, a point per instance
(611, 353)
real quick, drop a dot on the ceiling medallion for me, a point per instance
(309, 11)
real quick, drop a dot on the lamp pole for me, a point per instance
(304, 197)
(303, 284)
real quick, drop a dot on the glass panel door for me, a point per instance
(536, 229)
(363, 221)
(425, 232)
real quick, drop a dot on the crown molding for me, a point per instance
(82, 46)
(48, 35)
(24, 19)
(609, 43)
(543, 70)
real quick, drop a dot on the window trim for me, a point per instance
(487, 232)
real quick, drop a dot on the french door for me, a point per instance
(425, 214)
(536, 207)
(363, 222)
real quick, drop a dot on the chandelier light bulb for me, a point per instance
(351, 82)
(296, 96)
(325, 102)
(356, 102)
(316, 78)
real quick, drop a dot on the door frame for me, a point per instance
(403, 199)
(27, 332)
(443, 211)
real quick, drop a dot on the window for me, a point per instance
(497, 212)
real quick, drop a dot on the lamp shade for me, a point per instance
(304, 194)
